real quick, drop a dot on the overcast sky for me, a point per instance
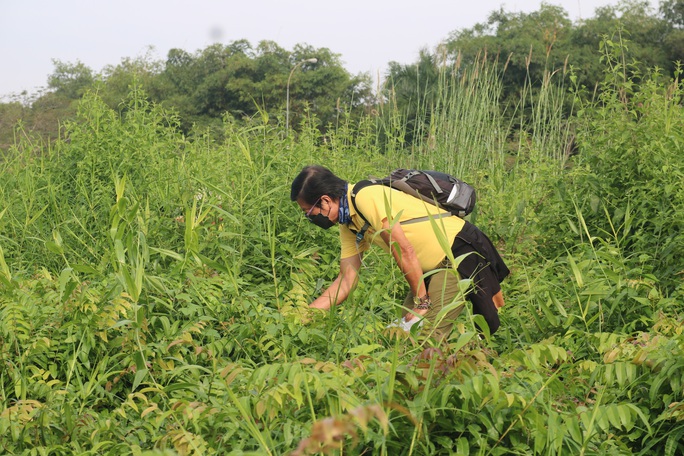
(366, 33)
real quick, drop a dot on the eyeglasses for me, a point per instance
(308, 213)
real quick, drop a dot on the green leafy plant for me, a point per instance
(154, 287)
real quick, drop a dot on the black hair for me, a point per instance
(315, 181)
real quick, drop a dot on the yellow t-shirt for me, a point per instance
(378, 202)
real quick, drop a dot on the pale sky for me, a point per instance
(366, 33)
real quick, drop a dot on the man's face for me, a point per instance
(321, 213)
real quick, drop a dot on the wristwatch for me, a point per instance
(422, 303)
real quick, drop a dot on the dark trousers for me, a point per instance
(485, 267)
(482, 264)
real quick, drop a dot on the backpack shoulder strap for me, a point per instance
(360, 185)
(355, 191)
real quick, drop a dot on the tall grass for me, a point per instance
(154, 290)
(466, 133)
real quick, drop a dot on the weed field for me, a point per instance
(154, 286)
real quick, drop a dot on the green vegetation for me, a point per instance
(235, 81)
(154, 280)
(241, 81)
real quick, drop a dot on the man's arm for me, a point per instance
(345, 282)
(407, 260)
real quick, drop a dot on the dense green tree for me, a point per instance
(528, 43)
(673, 12)
(641, 31)
(411, 89)
(70, 79)
(237, 80)
(546, 40)
(39, 115)
(141, 71)
(325, 87)
(241, 80)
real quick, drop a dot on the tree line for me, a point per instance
(238, 81)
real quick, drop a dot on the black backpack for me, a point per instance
(433, 187)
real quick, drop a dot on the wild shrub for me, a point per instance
(153, 297)
(626, 177)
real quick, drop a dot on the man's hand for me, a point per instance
(410, 315)
(345, 282)
(302, 314)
